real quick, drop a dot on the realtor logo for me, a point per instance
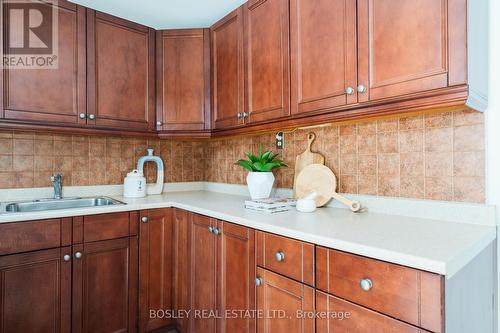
(30, 34)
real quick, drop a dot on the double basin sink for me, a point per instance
(55, 204)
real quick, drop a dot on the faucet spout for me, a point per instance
(57, 183)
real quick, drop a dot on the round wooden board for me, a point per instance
(316, 178)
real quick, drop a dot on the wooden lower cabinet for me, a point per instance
(155, 268)
(105, 286)
(339, 316)
(284, 304)
(35, 292)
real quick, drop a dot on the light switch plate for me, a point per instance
(280, 140)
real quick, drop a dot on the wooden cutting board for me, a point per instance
(305, 159)
(316, 178)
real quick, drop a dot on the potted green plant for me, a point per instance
(260, 178)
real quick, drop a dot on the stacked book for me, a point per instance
(271, 205)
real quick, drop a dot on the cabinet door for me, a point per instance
(227, 70)
(267, 65)
(236, 271)
(203, 289)
(155, 267)
(181, 266)
(121, 70)
(403, 47)
(323, 54)
(345, 317)
(282, 302)
(49, 96)
(183, 79)
(105, 286)
(35, 292)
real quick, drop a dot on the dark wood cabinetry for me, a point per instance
(227, 71)
(120, 73)
(49, 96)
(155, 267)
(323, 54)
(35, 292)
(267, 64)
(281, 300)
(183, 81)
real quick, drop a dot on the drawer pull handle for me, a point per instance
(366, 284)
(66, 257)
(145, 219)
(211, 229)
(78, 255)
(217, 231)
(280, 256)
(258, 281)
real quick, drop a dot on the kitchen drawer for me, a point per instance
(102, 227)
(404, 293)
(345, 317)
(297, 260)
(34, 235)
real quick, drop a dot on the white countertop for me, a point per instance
(436, 246)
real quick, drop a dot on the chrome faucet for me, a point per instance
(57, 183)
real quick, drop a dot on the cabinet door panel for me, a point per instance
(203, 274)
(183, 79)
(280, 300)
(402, 47)
(51, 95)
(236, 271)
(155, 267)
(121, 73)
(227, 70)
(267, 65)
(323, 53)
(35, 292)
(105, 286)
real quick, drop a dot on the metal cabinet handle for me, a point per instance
(258, 281)
(245, 115)
(216, 231)
(145, 219)
(78, 255)
(361, 88)
(66, 257)
(239, 115)
(91, 116)
(211, 229)
(349, 90)
(82, 115)
(159, 123)
(366, 284)
(280, 256)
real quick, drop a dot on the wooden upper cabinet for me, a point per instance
(323, 54)
(227, 70)
(49, 96)
(403, 47)
(183, 79)
(121, 73)
(267, 64)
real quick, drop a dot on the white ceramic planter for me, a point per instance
(260, 184)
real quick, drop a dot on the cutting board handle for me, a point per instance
(310, 139)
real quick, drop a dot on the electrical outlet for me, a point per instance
(280, 140)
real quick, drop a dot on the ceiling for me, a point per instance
(166, 14)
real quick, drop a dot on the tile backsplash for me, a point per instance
(436, 156)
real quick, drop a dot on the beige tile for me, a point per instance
(23, 147)
(44, 163)
(388, 125)
(348, 129)
(348, 144)
(442, 119)
(469, 164)
(6, 134)
(388, 186)
(439, 139)
(7, 179)
(367, 165)
(80, 178)
(348, 184)
(97, 149)
(411, 123)
(439, 164)
(44, 147)
(349, 165)
(411, 141)
(63, 148)
(42, 179)
(469, 189)
(6, 163)
(81, 163)
(468, 117)
(367, 144)
(388, 164)
(469, 138)
(412, 187)
(412, 164)
(24, 135)
(63, 163)
(439, 188)
(367, 185)
(81, 148)
(6, 146)
(367, 128)
(388, 143)
(24, 179)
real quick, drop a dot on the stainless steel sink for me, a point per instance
(53, 204)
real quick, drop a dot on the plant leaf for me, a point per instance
(252, 157)
(245, 164)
